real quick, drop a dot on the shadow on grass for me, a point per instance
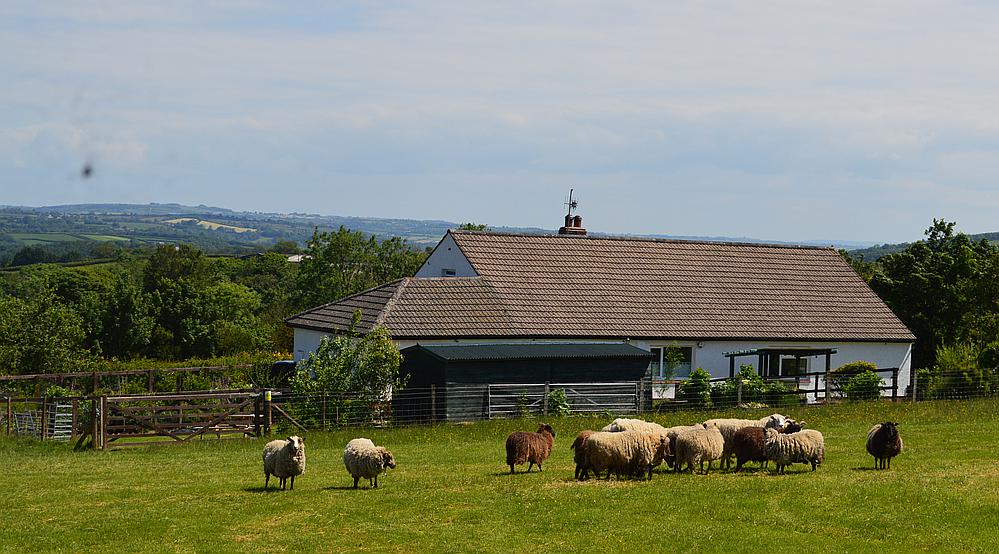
(867, 468)
(350, 488)
(262, 490)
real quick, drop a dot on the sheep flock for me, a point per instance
(626, 447)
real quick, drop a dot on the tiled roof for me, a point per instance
(531, 351)
(558, 286)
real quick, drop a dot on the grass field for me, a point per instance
(451, 492)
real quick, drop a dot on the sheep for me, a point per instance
(671, 433)
(628, 452)
(805, 447)
(579, 454)
(729, 426)
(747, 444)
(626, 424)
(697, 446)
(884, 443)
(284, 459)
(363, 459)
(529, 447)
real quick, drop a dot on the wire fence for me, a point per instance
(177, 417)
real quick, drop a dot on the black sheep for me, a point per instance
(884, 443)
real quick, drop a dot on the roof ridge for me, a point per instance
(339, 300)
(627, 238)
(391, 302)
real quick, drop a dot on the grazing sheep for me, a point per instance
(698, 446)
(627, 424)
(579, 454)
(671, 433)
(363, 459)
(804, 447)
(729, 426)
(529, 447)
(747, 444)
(628, 452)
(884, 443)
(284, 459)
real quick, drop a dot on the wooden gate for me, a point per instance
(127, 420)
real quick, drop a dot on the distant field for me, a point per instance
(451, 492)
(33, 239)
(106, 238)
(211, 225)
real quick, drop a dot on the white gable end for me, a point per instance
(446, 260)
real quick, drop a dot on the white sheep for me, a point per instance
(284, 459)
(804, 447)
(628, 424)
(671, 433)
(363, 459)
(698, 446)
(626, 452)
(729, 427)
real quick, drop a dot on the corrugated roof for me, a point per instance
(530, 351)
(575, 287)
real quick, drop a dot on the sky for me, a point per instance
(783, 120)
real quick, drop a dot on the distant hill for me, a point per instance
(874, 252)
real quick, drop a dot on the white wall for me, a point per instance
(709, 355)
(446, 255)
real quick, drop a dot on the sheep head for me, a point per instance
(544, 427)
(296, 443)
(793, 426)
(889, 429)
(387, 459)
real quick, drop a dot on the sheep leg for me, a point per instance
(292, 482)
(539, 468)
(356, 479)
(283, 482)
(889, 463)
(511, 469)
(376, 481)
(650, 472)
(267, 479)
(529, 466)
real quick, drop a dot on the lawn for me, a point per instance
(451, 492)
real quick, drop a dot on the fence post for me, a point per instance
(104, 422)
(150, 381)
(95, 422)
(45, 418)
(546, 399)
(256, 416)
(433, 402)
(738, 391)
(639, 395)
(323, 407)
(268, 413)
(10, 413)
(894, 384)
(825, 378)
(76, 419)
(913, 373)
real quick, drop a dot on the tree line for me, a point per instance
(946, 290)
(178, 303)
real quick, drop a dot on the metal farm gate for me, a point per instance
(504, 401)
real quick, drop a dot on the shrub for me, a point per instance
(696, 389)
(754, 390)
(558, 403)
(840, 377)
(863, 386)
(958, 374)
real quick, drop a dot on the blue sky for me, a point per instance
(775, 120)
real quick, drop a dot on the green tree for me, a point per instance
(473, 227)
(39, 335)
(345, 262)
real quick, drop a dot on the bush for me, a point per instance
(958, 374)
(696, 389)
(558, 403)
(754, 390)
(840, 377)
(863, 386)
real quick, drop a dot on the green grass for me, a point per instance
(32, 239)
(451, 493)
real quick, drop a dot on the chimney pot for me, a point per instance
(577, 221)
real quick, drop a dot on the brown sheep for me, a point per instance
(884, 443)
(529, 447)
(579, 454)
(747, 443)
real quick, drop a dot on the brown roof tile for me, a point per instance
(557, 286)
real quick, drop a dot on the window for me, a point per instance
(791, 366)
(447, 272)
(661, 359)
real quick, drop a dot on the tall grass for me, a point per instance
(452, 492)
